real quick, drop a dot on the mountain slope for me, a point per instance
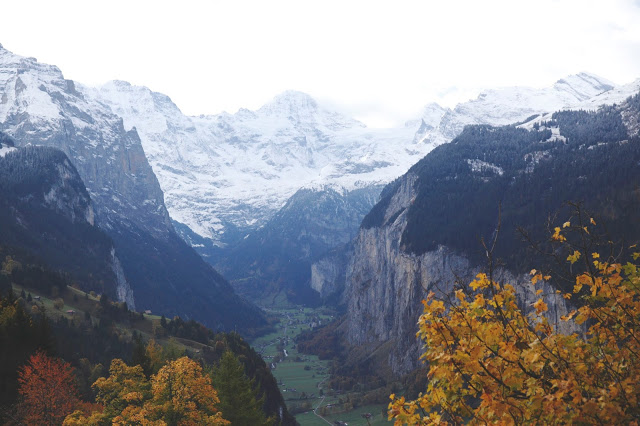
(38, 106)
(227, 174)
(424, 233)
(278, 256)
(228, 178)
(46, 213)
(233, 172)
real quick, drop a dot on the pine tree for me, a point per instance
(139, 355)
(238, 401)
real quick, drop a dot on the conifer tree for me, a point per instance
(238, 401)
(139, 355)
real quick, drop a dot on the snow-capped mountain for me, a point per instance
(500, 107)
(237, 170)
(38, 106)
(234, 171)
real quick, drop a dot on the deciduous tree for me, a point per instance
(183, 395)
(178, 395)
(491, 362)
(47, 389)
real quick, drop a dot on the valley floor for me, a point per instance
(303, 378)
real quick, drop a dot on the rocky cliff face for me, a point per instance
(123, 289)
(38, 106)
(329, 272)
(385, 285)
(423, 234)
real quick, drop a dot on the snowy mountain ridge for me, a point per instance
(238, 169)
(234, 171)
(510, 105)
(39, 107)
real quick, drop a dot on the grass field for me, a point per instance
(353, 417)
(301, 377)
(80, 302)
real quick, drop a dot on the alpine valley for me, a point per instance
(125, 218)
(263, 194)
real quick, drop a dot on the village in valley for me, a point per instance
(303, 378)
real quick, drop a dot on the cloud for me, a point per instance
(374, 58)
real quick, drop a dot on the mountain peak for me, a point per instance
(118, 83)
(290, 101)
(583, 85)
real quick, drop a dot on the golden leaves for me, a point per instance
(540, 306)
(179, 389)
(573, 258)
(480, 282)
(487, 357)
(557, 236)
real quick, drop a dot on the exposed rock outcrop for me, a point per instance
(385, 285)
(423, 235)
(38, 106)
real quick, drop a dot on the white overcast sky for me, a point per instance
(379, 61)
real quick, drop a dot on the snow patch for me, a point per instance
(4, 150)
(479, 166)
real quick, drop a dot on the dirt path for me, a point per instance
(320, 403)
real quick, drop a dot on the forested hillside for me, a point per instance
(522, 175)
(40, 311)
(46, 213)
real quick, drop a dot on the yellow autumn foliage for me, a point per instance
(490, 362)
(179, 394)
